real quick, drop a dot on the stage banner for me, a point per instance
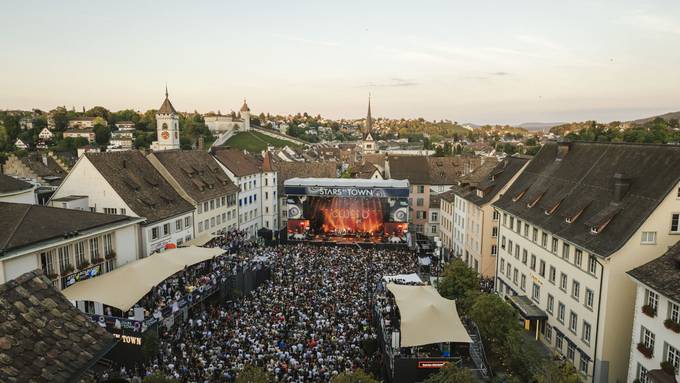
(342, 191)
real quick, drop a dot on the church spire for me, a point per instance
(369, 119)
(166, 90)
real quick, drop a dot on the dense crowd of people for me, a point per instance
(309, 322)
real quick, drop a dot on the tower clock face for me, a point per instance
(165, 135)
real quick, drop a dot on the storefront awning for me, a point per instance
(126, 285)
(426, 317)
(527, 308)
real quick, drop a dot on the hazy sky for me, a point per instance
(468, 61)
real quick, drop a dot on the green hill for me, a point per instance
(256, 142)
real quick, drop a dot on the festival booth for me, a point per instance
(420, 330)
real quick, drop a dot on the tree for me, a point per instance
(102, 134)
(254, 374)
(496, 320)
(4, 139)
(452, 373)
(558, 372)
(99, 111)
(457, 279)
(150, 345)
(357, 376)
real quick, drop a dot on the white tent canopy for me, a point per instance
(407, 278)
(125, 286)
(426, 317)
(200, 240)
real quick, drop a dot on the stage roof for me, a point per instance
(426, 317)
(126, 285)
(346, 182)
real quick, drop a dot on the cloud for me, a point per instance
(391, 83)
(500, 74)
(652, 22)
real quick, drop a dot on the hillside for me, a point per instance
(533, 126)
(256, 142)
(666, 116)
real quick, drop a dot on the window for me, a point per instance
(94, 248)
(551, 304)
(110, 210)
(563, 281)
(534, 234)
(648, 238)
(434, 216)
(224, 201)
(674, 312)
(178, 224)
(122, 211)
(541, 268)
(212, 222)
(536, 292)
(433, 229)
(571, 351)
(494, 250)
(47, 262)
(519, 226)
(200, 208)
(554, 245)
(154, 232)
(502, 266)
(651, 299)
(589, 298)
(586, 332)
(505, 219)
(200, 227)
(224, 217)
(573, 322)
(548, 333)
(509, 246)
(515, 276)
(583, 364)
(647, 338)
(592, 264)
(675, 221)
(544, 239)
(64, 260)
(503, 242)
(551, 275)
(526, 229)
(205, 206)
(524, 256)
(560, 312)
(523, 284)
(558, 342)
(512, 222)
(517, 252)
(578, 257)
(421, 189)
(166, 229)
(108, 244)
(219, 220)
(187, 222)
(494, 232)
(495, 215)
(565, 251)
(79, 252)
(672, 355)
(532, 265)
(642, 374)
(575, 290)
(420, 201)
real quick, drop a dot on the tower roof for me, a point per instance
(166, 107)
(369, 119)
(245, 107)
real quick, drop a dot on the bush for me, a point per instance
(672, 325)
(649, 310)
(452, 373)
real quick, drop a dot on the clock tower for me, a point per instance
(167, 126)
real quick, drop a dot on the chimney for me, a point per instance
(563, 148)
(621, 186)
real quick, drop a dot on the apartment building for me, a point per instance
(269, 203)
(572, 224)
(126, 183)
(198, 178)
(655, 341)
(473, 231)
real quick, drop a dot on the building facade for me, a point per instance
(573, 223)
(655, 341)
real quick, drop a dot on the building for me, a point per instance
(46, 135)
(68, 245)
(16, 191)
(473, 229)
(20, 144)
(218, 123)
(656, 324)
(44, 338)
(43, 167)
(87, 134)
(573, 223)
(199, 179)
(82, 123)
(121, 139)
(167, 126)
(270, 203)
(126, 183)
(427, 176)
(26, 123)
(125, 126)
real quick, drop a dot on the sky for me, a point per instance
(467, 61)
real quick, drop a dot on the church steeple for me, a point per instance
(369, 119)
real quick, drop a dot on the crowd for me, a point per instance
(308, 323)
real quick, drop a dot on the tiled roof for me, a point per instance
(139, 184)
(197, 172)
(244, 107)
(365, 170)
(288, 170)
(585, 172)
(43, 337)
(423, 170)
(166, 107)
(34, 161)
(238, 162)
(24, 224)
(10, 184)
(491, 177)
(662, 274)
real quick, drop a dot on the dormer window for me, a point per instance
(533, 203)
(551, 210)
(480, 193)
(519, 195)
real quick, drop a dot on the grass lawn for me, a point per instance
(256, 141)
